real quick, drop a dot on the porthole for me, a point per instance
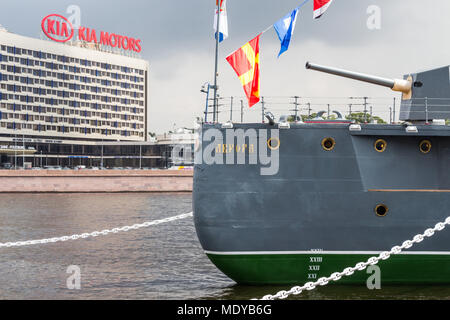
(273, 143)
(328, 144)
(381, 210)
(425, 146)
(380, 145)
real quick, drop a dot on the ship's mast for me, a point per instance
(219, 2)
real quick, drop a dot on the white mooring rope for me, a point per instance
(95, 233)
(359, 266)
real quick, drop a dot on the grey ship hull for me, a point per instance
(316, 215)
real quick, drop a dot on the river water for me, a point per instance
(160, 262)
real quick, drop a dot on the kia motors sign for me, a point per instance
(59, 29)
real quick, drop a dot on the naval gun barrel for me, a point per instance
(394, 84)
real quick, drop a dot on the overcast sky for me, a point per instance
(177, 40)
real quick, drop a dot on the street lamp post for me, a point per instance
(23, 151)
(101, 157)
(15, 151)
(140, 156)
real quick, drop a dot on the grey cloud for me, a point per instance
(177, 39)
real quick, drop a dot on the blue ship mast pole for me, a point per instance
(219, 2)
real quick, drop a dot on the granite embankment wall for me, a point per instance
(30, 181)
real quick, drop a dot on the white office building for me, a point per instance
(50, 90)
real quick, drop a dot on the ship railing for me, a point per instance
(235, 109)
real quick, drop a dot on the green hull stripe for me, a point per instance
(260, 269)
(321, 252)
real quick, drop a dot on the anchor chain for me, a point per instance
(283, 294)
(95, 233)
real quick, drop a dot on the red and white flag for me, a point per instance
(223, 22)
(320, 6)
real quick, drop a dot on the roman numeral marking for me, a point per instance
(314, 264)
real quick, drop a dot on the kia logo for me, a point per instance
(57, 28)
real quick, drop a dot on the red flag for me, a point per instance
(320, 6)
(245, 62)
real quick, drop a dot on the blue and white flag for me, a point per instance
(223, 22)
(285, 28)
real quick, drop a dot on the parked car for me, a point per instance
(7, 165)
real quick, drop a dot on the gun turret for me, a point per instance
(426, 95)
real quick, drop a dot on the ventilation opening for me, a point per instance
(381, 210)
(380, 145)
(328, 144)
(425, 146)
